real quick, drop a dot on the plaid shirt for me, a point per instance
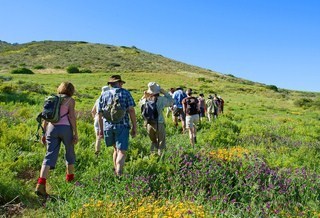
(125, 100)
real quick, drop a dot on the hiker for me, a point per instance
(191, 108)
(154, 119)
(202, 103)
(178, 96)
(221, 104)
(116, 133)
(212, 109)
(95, 115)
(218, 105)
(65, 130)
(170, 109)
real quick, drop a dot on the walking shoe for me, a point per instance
(41, 191)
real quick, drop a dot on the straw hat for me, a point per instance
(115, 78)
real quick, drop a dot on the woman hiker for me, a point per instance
(65, 130)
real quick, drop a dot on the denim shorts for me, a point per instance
(55, 135)
(118, 137)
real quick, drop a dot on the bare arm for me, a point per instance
(43, 138)
(94, 110)
(100, 125)
(72, 119)
(133, 119)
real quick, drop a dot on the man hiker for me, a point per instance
(203, 107)
(178, 96)
(191, 108)
(152, 104)
(118, 104)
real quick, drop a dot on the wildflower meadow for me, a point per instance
(260, 158)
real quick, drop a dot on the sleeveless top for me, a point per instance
(64, 109)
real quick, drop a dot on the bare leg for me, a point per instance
(44, 172)
(121, 157)
(70, 169)
(115, 157)
(98, 144)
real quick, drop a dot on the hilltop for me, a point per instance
(95, 57)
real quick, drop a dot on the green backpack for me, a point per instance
(51, 110)
(113, 112)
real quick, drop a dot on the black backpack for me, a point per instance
(149, 110)
(192, 106)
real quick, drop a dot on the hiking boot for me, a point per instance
(41, 190)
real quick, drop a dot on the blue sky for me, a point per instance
(275, 42)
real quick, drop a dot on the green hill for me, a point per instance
(96, 57)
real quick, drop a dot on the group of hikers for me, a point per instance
(115, 119)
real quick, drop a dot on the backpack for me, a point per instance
(149, 110)
(113, 111)
(211, 106)
(191, 106)
(50, 111)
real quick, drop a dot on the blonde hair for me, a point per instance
(66, 88)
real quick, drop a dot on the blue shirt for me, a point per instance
(125, 100)
(178, 96)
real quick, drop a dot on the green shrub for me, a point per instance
(85, 71)
(73, 69)
(273, 87)
(22, 70)
(39, 67)
(303, 102)
(114, 65)
(230, 75)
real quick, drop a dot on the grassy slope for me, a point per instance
(270, 123)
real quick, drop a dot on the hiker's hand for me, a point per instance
(100, 134)
(44, 140)
(75, 139)
(133, 132)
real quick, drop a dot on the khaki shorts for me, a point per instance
(192, 120)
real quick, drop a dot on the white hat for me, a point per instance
(104, 88)
(153, 88)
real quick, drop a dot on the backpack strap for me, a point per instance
(39, 120)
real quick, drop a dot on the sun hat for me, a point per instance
(115, 78)
(153, 88)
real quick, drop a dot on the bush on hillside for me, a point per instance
(273, 87)
(85, 71)
(5, 78)
(39, 67)
(303, 102)
(22, 70)
(73, 69)
(230, 75)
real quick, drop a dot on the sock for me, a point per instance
(69, 177)
(42, 181)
